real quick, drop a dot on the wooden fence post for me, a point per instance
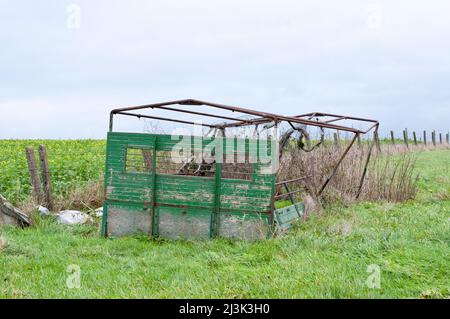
(405, 138)
(440, 138)
(336, 139)
(46, 180)
(34, 175)
(377, 141)
(392, 138)
(433, 137)
(415, 137)
(425, 138)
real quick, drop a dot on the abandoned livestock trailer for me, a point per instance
(218, 181)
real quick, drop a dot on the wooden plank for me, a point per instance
(34, 176)
(377, 141)
(336, 139)
(405, 138)
(9, 210)
(46, 180)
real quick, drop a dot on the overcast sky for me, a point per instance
(65, 64)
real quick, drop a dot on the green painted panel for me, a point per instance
(287, 216)
(186, 196)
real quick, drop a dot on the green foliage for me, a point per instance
(72, 163)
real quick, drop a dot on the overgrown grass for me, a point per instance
(325, 257)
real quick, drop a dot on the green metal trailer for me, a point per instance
(196, 187)
(145, 191)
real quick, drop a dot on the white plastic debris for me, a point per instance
(72, 217)
(99, 212)
(43, 210)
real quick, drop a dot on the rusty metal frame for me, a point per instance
(262, 117)
(258, 119)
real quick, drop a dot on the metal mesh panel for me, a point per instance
(243, 227)
(183, 224)
(128, 221)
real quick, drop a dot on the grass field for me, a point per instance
(326, 257)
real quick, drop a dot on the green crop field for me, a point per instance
(332, 256)
(72, 163)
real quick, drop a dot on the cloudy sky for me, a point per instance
(65, 64)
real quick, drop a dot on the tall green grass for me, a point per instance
(326, 257)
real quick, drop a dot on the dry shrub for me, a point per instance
(443, 195)
(389, 178)
(85, 197)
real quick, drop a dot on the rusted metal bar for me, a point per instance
(338, 164)
(292, 180)
(341, 118)
(198, 113)
(287, 194)
(166, 119)
(292, 200)
(265, 117)
(346, 117)
(297, 121)
(366, 165)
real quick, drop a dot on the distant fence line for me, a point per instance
(422, 138)
(405, 138)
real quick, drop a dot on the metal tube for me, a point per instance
(366, 165)
(267, 116)
(292, 180)
(338, 164)
(165, 119)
